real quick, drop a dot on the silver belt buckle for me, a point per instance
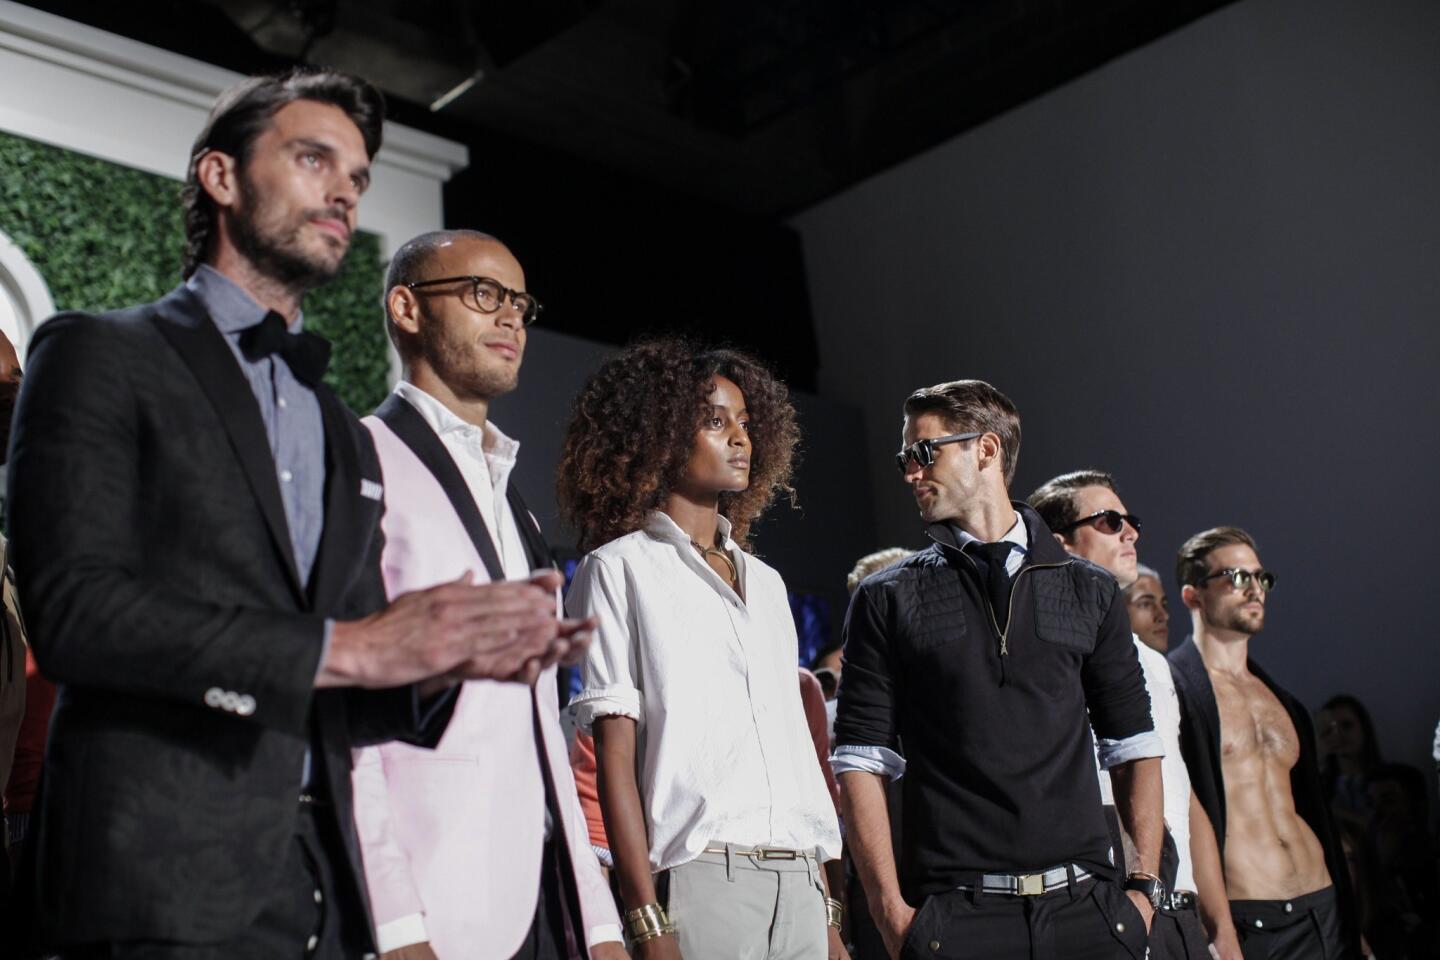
(776, 853)
(1030, 884)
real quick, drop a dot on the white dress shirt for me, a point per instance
(724, 751)
(1165, 711)
(485, 458)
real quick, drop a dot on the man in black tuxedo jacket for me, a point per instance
(196, 529)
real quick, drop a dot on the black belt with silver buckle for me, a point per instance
(1179, 900)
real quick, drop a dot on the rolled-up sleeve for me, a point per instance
(600, 591)
(866, 714)
(1115, 690)
(877, 760)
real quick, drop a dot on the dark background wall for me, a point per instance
(1211, 267)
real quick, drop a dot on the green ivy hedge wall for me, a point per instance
(106, 236)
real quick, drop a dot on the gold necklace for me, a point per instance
(707, 552)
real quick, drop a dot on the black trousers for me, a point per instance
(546, 939)
(1088, 920)
(1305, 928)
(1178, 935)
(306, 918)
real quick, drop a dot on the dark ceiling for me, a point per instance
(763, 107)
(641, 156)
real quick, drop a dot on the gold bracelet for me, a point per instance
(834, 912)
(647, 923)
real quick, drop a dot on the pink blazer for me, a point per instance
(452, 837)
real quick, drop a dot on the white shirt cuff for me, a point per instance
(852, 758)
(1139, 747)
(401, 932)
(592, 703)
(604, 933)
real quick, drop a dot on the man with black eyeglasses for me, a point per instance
(1090, 520)
(1250, 750)
(988, 655)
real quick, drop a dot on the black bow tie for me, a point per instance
(306, 354)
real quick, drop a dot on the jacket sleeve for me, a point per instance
(394, 896)
(96, 619)
(1114, 682)
(867, 712)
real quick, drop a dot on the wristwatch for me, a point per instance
(1150, 885)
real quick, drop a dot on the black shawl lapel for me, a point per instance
(407, 424)
(183, 320)
(344, 507)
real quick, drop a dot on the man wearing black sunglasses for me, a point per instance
(986, 655)
(1250, 750)
(1089, 519)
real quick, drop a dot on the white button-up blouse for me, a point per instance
(724, 753)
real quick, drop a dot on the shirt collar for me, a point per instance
(659, 524)
(1016, 535)
(230, 307)
(440, 418)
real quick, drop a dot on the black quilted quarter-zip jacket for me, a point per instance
(1000, 764)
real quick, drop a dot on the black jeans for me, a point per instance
(1088, 920)
(1304, 928)
(303, 918)
(1178, 935)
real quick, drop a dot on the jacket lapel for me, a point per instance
(407, 424)
(183, 320)
(344, 507)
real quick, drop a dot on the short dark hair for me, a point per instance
(1054, 499)
(242, 113)
(409, 264)
(1190, 564)
(966, 405)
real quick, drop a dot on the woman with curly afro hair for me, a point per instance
(716, 812)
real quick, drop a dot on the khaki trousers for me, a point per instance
(727, 906)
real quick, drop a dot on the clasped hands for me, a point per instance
(461, 630)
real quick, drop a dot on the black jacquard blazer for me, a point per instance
(152, 553)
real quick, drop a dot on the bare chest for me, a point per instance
(1253, 722)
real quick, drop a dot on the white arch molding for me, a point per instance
(25, 300)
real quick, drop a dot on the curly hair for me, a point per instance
(634, 428)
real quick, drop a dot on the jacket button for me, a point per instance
(934, 944)
(1119, 928)
(1259, 923)
(244, 704)
(214, 697)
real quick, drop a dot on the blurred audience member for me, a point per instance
(1404, 884)
(1149, 609)
(1348, 755)
(12, 636)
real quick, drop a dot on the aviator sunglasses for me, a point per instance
(1106, 521)
(922, 452)
(1240, 579)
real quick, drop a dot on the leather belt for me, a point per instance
(1028, 884)
(1179, 900)
(765, 853)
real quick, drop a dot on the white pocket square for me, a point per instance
(371, 489)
